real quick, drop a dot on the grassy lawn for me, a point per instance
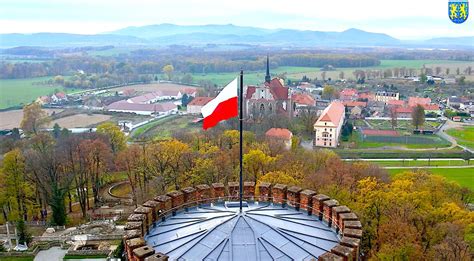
(18, 92)
(464, 136)
(464, 177)
(436, 142)
(17, 258)
(398, 154)
(165, 130)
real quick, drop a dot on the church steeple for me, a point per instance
(268, 78)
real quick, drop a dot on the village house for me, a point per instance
(384, 96)
(195, 106)
(414, 101)
(280, 135)
(454, 102)
(302, 101)
(348, 94)
(328, 126)
(366, 96)
(58, 97)
(403, 112)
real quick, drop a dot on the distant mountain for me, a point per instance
(64, 39)
(169, 34)
(159, 30)
(469, 40)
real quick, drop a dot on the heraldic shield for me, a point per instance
(458, 11)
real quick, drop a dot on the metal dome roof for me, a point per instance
(263, 231)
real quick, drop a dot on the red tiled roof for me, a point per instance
(431, 107)
(354, 103)
(366, 95)
(396, 102)
(60, 95)
(333, 113)
(370, 132)
(303, 98)
(279, 133)
(250, 91)
(348, 92)
(200, 101)
(403, 110)
(413, 101)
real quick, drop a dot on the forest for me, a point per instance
(410, 216)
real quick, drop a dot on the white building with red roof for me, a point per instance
(328, 126)
(195, 106)
(279, 135)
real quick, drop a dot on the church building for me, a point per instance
(270, 98)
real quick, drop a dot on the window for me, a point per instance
(324, 143)
(262, 108)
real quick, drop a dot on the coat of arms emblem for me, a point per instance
(458, 10)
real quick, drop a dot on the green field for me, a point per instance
(18, 92)
(422, 163)
(296, 73)
(464, 177)
(464, 136)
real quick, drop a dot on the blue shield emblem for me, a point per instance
(458, 11)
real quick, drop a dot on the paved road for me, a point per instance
(449, 125)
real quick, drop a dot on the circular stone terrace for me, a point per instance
(205, 223)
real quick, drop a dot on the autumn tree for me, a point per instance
(96, 157)
(18, 192)
(168, 70)
(256, 163)
(418, 116)
(46, 168)
(116, 137)
(329, 92)
(131, 161)
(33, 118)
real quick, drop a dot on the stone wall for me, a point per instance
(339, 218)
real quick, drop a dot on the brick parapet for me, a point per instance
(346, 223)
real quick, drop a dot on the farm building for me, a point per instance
(328, 127)
(165, 108)
(195, 106)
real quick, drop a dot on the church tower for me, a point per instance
(268, 78)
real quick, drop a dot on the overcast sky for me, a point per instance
(404, 19)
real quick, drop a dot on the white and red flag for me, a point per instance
(223, 107)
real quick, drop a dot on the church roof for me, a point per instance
(277, 89)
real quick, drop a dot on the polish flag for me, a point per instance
(223, 107)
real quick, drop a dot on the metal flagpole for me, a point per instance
(241, 121)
